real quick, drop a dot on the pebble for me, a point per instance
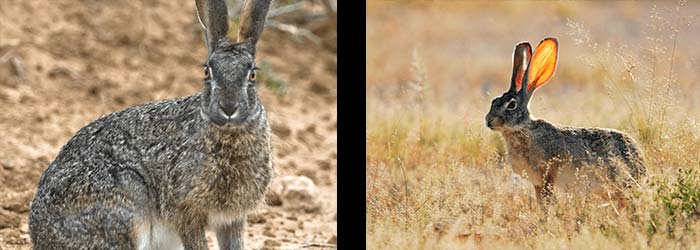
(297, 193)
(7, 164)
(271, 243)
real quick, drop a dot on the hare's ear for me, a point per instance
(543, 64)
(253, 15)
(213, 15)
(521, 58)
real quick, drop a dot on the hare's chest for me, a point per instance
(522, 167)
(231, 188)
(520, 152)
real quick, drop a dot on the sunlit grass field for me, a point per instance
(438, 178)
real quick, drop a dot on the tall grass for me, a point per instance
(437, 178)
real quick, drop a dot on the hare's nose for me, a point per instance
(228, 107)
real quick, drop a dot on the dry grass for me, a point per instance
(437, 178)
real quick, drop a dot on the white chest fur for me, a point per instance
(155, 235)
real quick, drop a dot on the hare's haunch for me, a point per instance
(549, 155)
(153, 176)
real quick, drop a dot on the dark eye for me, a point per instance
(207, 73)
(251, 77)
(512, 105)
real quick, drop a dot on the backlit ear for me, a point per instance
(544, 63)
(521, 58)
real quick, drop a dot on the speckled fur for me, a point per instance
(552, 155)
(161, 168)
(548, 147)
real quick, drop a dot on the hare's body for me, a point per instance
(581, 160)
(149, 186)
(568, 155)
(153, 176)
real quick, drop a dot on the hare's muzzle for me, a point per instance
(493, 122)
(229, 108)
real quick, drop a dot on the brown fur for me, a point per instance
(571, 158)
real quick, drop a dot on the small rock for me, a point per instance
(268, 233)
(24, 228)
(272, 198)
(7, 164)
(332, 240)
(271, 243)
(256, 219)
(297, 192)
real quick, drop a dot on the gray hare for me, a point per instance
(570, 158)
(155, 175)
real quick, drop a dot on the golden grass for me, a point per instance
(437, 178)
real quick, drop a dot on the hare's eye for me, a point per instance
(207, 73)
(512, 104)
(251, 77)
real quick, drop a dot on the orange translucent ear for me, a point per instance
(521, 58)
(543, 64)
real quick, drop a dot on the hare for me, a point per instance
(155, 175)
(549, 155)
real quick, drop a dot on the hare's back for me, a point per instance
(607, 145)
(110, 172)
(118, 153)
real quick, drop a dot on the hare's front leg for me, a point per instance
(230, 235)
(193, 237)
(544, 194)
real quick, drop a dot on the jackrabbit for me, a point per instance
(549, 155)
(153, 176)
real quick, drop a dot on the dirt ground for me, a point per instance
(65, 63)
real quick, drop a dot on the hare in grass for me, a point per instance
(155, 175)
(586, 160)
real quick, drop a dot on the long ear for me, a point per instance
(253, 15)
(213, 15)
(543, 64)
(521, 58)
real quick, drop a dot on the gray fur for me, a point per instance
(213, 16)
(549, 154)
(175, 165)
(252, 20)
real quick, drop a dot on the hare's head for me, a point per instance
(529, 72)
(230, 96)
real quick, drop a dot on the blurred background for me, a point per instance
(65, 63)
(435, 170)
(464, 48)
